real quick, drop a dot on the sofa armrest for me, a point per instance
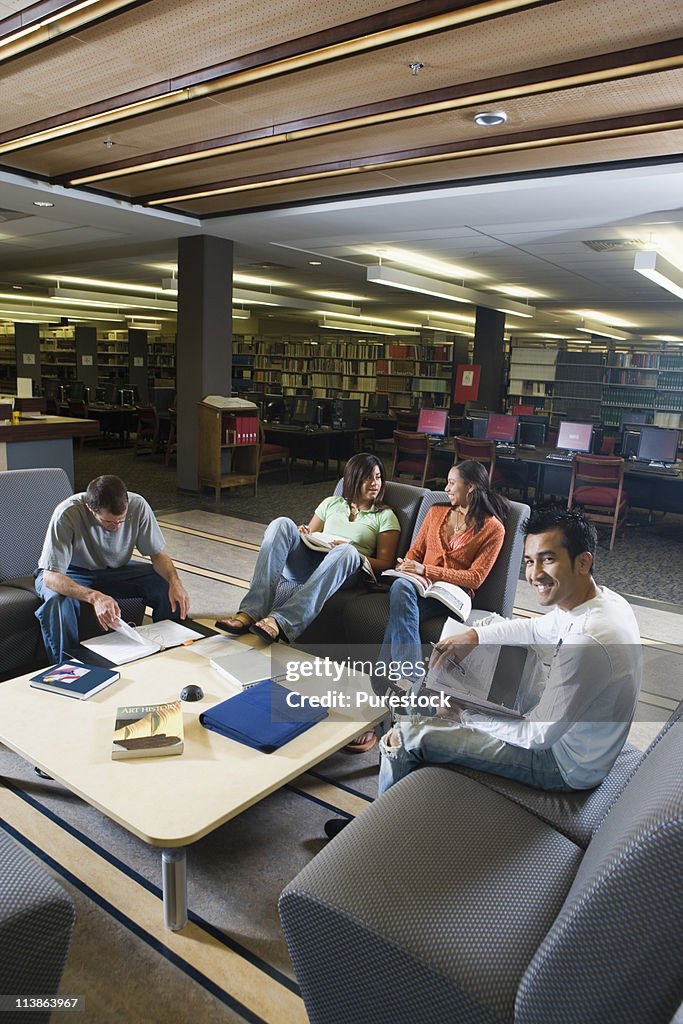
(428, 907)
(36, 922)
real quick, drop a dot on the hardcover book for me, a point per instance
(319, 541)
(74, 679)
(148, 730)
(455, 599)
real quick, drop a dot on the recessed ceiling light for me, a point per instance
(42, 202)
(490, 118)
(315, 263)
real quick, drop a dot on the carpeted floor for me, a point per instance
(647, 562)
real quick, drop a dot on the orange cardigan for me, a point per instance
(466, 558)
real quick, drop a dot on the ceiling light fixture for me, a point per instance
(490, 119)
(43, 203)
(603, 331)
(653, 266)
(82, 298)
(241, 314)
(339, 325)
(416, 261)
(434, 325)
(444, 290)
(315, 263)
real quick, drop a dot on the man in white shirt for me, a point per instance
(572, 736)
(87, 557)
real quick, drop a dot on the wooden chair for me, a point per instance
(478, 451)
(412, 455)
(275, 456)
(601, 494)
(147, 435)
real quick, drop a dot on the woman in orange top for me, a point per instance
(457, 545)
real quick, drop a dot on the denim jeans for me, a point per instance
(401, 641)
(425, 741)
(58, 615)
(284, 555)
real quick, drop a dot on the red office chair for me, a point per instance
(412, 456)
(601, 496)
(275, 456)
(478, 451)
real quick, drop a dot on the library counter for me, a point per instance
(48, 441)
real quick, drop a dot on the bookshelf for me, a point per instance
(224, 459)
(578, 389)
(648, 381)
(532, 376)
(411, 374)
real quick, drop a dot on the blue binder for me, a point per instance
(260, 717)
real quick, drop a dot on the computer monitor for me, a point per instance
(501, 428)
(378, 404)
(630, 441)
(475, 426)
(302, 413)
(532, 430)
(574, 437)
(433, 422)
(275, 409)
(658, 445)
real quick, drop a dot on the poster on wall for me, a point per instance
(466, 383)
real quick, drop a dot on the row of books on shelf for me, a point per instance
(641, 377)
(240, 429)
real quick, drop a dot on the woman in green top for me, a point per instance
(362, 528)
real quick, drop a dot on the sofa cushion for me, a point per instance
(421, 890)
(21, 646)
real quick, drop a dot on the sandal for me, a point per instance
(366, 741)
(267, 628)
(243, 620)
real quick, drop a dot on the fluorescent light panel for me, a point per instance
(658, 269)
(444, 290)
(603, 331)
(339, 325)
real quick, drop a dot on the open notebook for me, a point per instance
(128, 643)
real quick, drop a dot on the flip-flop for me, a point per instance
(267, 628)
(246, 622)
(360, 748)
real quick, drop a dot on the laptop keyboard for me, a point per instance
(658, 470)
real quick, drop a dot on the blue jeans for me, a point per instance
(425, 741)
(283, 555)
(58, 615)
(401, 643)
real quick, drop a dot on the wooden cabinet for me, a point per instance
(225, 460)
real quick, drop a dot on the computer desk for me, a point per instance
(653, 491)
(318, 444)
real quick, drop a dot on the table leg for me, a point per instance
(174, 887)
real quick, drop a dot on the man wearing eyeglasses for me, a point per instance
(86, 557)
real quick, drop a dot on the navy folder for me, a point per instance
(260, 717)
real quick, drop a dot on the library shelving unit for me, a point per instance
(225, 460)
(8, 360)
(577, 392)
(532, 376)
(58, 354)
(650, 382)
(349, 367)
(161, 361)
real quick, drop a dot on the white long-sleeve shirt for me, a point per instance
(591, 689)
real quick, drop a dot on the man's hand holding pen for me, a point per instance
(452, 650)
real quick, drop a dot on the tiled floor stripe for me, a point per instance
(206, 957)
(327, 794)
(248, 545)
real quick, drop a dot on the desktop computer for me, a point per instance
(503, 430)
(658, 448)
(346, 413)
(572, 438)
(433, 422)
(532, 432)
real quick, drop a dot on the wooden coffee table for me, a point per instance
(169, 802)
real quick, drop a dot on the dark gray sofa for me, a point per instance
(352, 622)
(36, 923)
(453, 898)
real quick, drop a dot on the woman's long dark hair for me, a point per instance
(357, 469)
(484, 501)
